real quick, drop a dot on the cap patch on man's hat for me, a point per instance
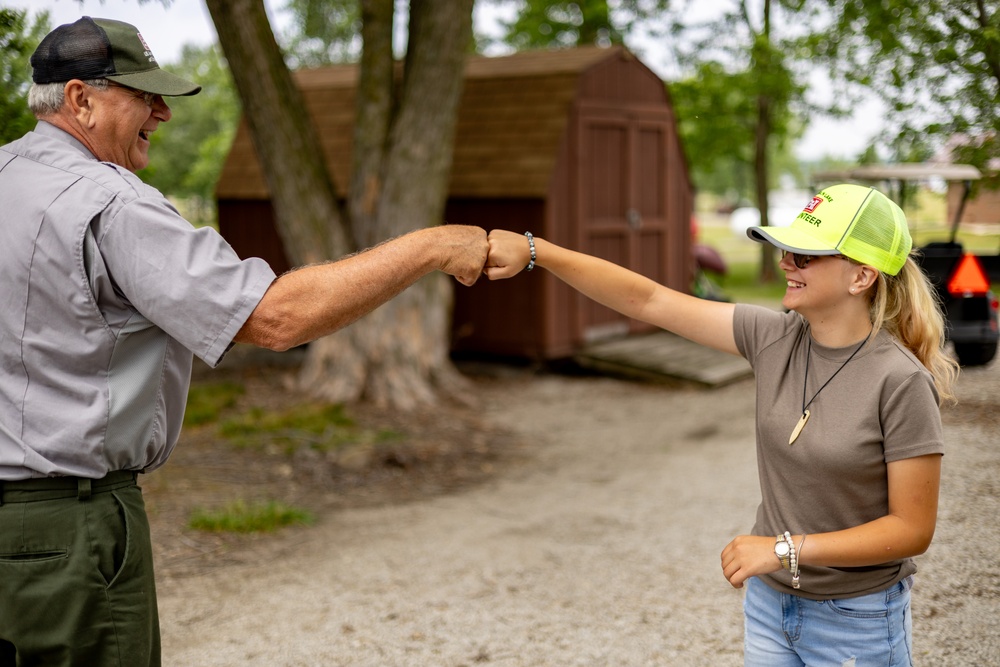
(145, 46)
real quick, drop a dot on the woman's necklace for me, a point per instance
(805, 411)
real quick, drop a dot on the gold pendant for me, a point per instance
(798, 427)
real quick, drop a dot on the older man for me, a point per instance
(107, 295)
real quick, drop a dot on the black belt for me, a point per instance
(54, 488)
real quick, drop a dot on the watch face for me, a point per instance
(781, 548)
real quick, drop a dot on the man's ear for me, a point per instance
(79, 102)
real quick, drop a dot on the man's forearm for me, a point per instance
(314, 301)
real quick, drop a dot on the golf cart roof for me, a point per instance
(902, 171)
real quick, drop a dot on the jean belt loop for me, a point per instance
(82, 488)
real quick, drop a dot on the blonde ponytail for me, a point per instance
(907, 306)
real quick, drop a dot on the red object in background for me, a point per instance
(969, 277)
(708, 258)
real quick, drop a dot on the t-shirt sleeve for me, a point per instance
(911, 419)
(186, 280)
(756, 327)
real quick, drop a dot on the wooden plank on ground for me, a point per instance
(663, 355)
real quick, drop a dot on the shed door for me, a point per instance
(622, 203)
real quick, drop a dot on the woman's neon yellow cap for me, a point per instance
(851, 220)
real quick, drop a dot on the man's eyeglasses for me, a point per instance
(149, 99)
(802, 261)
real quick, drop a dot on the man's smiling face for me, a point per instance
(125, 119)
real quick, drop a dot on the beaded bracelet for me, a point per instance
(793, 564)
(531, 247)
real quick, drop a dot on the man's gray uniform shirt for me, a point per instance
(106, 294)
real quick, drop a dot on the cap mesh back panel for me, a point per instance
(874, 239)
(76, 51)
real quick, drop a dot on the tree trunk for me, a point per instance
(395, 357)
(376, 98)
(398, 355)
(768, 271)
(764, 63)
(305, 207)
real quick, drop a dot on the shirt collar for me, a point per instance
(47, 129)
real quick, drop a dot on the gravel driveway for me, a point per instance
(602, 550)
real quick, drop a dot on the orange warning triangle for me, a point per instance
(969, 277)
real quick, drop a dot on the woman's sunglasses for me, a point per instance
(802, 261)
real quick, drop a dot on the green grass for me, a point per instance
(742, 256)
(321, 427)
(241, 517)
(742, 284)
(206, 401)
(318, 426)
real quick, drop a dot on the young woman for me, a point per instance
(849, 437)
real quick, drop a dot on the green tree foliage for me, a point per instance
(190, 149)
(18, 40)
(750, 48)
(936, 63)
(323, 32)
(539, 24)
(715, 118)
(731, 63)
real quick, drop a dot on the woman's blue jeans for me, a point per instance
(782, 630)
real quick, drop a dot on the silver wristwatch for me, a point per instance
(783, 551)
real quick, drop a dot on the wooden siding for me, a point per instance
(512, 118)
(501, 317)
(248, 226)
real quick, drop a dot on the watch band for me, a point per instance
(783, 551)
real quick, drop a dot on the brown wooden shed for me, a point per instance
(579, 146)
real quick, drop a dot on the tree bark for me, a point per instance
(376, 97)
(768, 271)
(762, 135)
(305, 206)
(397, 356)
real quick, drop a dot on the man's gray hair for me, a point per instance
(45, 99)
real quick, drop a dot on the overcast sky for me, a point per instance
(166, 30)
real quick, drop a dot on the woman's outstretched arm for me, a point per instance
(709, 323)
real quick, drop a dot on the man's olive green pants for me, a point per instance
(76, 574)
